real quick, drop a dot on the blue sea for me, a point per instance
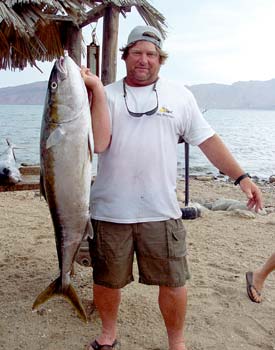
(249, 134)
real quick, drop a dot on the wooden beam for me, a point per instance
(97, 12)
(58, 18)
(30, 170)
(30, 180)
(72, 42)
(109, 50)
(25, 185)
(94, 15)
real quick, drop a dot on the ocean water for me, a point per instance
(249, 134)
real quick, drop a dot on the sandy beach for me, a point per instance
(222, 246)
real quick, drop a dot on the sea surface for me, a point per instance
(249, 134)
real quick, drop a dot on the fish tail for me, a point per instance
(12, 148)
(69, 293)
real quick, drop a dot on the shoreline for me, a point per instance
(181, 176)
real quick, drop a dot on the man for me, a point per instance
(133, 201)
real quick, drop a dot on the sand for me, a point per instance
(222, 246)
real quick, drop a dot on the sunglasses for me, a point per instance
(135, 114)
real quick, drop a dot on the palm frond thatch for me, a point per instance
(150, 14)
(33, 30)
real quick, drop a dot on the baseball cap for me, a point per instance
(146, 33)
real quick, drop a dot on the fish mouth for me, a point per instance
(8, 177)
(61, 67)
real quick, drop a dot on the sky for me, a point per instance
(208, 41)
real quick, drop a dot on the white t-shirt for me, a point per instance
(137, 174)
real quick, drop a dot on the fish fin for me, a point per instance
(90, 145)
(50, 291)
(12, 148)
(55, 137)
(89, 231)
(69, 293)
(72, 297)
(42, 188)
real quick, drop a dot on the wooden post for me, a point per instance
(73, 39)
(109, 43)
(93, 56)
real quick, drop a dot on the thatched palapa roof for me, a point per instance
(33, 30)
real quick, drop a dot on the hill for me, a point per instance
(28, 94)
(239, 95)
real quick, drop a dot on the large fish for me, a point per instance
(9, 172)
(66, 146)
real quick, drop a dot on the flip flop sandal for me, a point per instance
(250, 286)
(96, 346)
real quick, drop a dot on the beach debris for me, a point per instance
(247, 214)
(272, 179)
(205, 177)
(190, 212)
(9, 172)
(233, 205)
(66, 146)
(222, 204)
(271, 219)
(83, 256)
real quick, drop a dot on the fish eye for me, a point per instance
(53, 85)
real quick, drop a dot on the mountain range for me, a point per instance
(239, 95)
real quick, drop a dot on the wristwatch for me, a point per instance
(240, 178)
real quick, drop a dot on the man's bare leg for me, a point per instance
(107, 302)
(172, 303)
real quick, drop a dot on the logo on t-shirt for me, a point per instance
(165, 112)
